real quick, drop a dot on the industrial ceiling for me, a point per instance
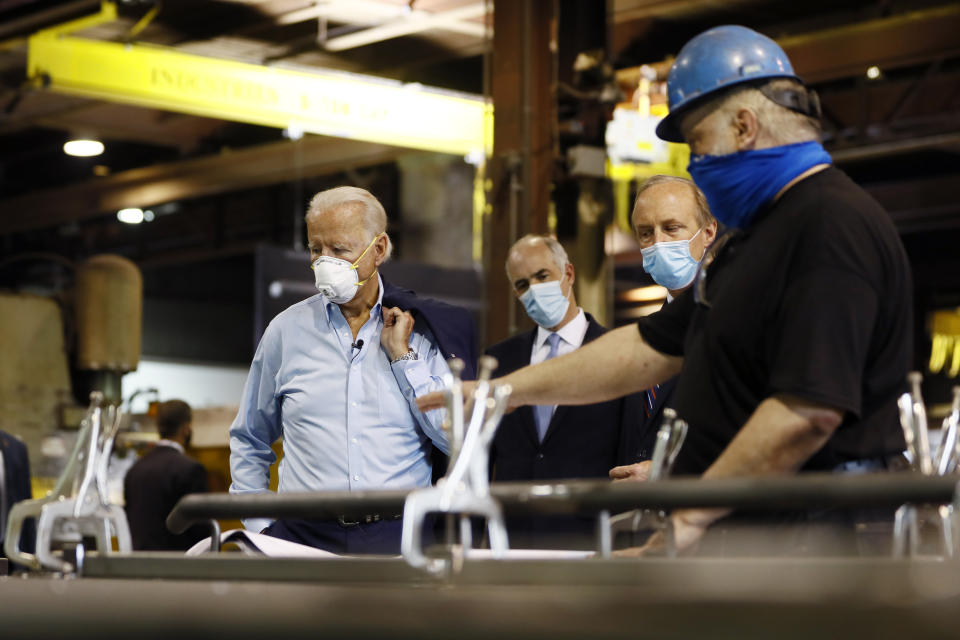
(897, 131)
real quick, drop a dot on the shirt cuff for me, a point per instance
(415, 372)
(256, 525)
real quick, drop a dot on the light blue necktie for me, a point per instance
(543, 412)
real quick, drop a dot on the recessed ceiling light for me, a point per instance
(873, 72)
(83, 148)
(130, 216)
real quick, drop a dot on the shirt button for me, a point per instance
(356, 477)
(539, 456)
(353, 440)
(353, 404)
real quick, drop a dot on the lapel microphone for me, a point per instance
(358, 344)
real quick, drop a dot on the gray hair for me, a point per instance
(556, 249)
(782, 125)
(704, 217)
(355, 198)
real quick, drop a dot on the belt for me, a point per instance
(370, 518)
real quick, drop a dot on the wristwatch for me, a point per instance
(409, 355)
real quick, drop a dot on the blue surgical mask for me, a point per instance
(671, 264)
(546, 303)
(738, 185)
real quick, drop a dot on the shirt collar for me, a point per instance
(571, 333)
(170, 443)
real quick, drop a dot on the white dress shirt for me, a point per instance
(571, 337)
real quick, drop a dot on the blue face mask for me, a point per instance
(670, 264)
(545, 303)
(738, 185)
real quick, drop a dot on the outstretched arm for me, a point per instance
(618, 363)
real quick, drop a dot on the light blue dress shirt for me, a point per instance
(348, 417)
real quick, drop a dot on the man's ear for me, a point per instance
(747, 129)
(709, 233)
(570, 272)
(380, 248)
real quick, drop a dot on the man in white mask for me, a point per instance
(674, 227)
(336, 375)
(542, 443)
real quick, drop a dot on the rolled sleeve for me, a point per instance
(422, 376)
(666, 329)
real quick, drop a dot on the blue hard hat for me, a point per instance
(717, 59)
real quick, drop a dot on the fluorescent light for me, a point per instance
(130, 216)
(293, 132)
(83, 148)
(476, 157)
(652, 293)
(873, 72)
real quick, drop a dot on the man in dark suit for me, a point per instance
(674, 226)
(551, 443)
(14, 487)
(157, 481)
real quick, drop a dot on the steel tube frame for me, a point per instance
(591, 497)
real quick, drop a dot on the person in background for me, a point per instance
(157, 481)
(15, 487)
(674, 226)
(543, 443)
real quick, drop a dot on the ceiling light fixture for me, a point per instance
(83, 148)
(130, 216)
(873, 72)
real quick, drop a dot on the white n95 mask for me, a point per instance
(337, 279)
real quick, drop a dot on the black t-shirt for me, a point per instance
(815, 301)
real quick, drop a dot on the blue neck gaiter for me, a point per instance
(739, 184)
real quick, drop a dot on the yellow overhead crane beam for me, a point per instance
(325, 102)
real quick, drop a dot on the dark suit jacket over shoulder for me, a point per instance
(452, 326)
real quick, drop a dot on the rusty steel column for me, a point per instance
(523, 147)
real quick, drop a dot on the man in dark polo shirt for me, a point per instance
(794, 340)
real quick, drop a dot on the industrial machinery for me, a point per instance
(79, 507)
(59, 347)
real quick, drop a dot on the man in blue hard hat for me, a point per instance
(795, 338)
